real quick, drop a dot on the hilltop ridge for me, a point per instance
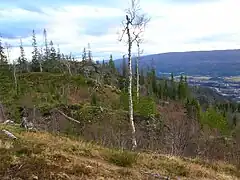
(213, 63)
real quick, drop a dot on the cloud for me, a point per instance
(176, 25)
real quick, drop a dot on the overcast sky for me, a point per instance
(176, 25)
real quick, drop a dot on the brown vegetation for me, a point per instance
(45, 156)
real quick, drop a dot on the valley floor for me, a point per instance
(41, 155)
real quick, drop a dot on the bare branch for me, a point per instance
(122, 34)
(67, 117)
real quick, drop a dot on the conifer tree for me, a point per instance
(84, 54)
(46, 44)
(53, 54)
(165, 89)
(3, 57)
(58, 54)
(8, 49)
(160, 91)
(35, 53)
(22, 59)
(111, 64)
(181, 88)
(89, 53)
(173, 93)
(154, 81)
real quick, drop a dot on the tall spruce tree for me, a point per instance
(89, 53)
(53, 54)
(84, 54)
(181, 88)
(3, 57)
(58, 53)
(46, 44)
(22, 60)
(35, 54)
(154, 81)
(165, 89)
(173, 87)
(160, 91)
(111, 64)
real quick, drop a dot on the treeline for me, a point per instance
(44, 59)
(50, 59)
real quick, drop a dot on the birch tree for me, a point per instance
(141, 23)
(134, 20)
(137, 67)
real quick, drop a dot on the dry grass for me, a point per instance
(46, 156)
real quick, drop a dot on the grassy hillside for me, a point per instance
(46, 91)
(83, 122)
(43, 156)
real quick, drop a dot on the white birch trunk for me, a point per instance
(130, 100)
(137, 67)
(40, 64)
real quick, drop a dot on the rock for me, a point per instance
(34, 177)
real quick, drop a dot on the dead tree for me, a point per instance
(67, 62)
(15, 76)
(40, 60)
(131, 26)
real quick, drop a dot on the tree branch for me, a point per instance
(69, 118)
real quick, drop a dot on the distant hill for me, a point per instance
(213, 63)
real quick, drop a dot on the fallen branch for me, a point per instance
(9, 134)
(8, 122)
(69, 118)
